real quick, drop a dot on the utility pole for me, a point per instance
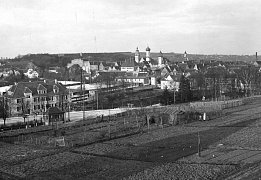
(84, 99)
(82, 94)
(199, 154)
(4, 109)
(69, 97)
(174, 99)
(97, 101)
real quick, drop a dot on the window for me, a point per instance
(41, 91)
(18, 101)
(27, 96)
(35, 99)
(18, 109)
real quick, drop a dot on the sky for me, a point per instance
(89, 26)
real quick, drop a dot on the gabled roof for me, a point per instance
(183, 66)
(167, 69)
(175, 78)
(27, 90)
(41, 87)
(54, 110)
(94, 63)
(129, 63)
(19, 88)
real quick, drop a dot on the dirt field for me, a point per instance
(228, 145)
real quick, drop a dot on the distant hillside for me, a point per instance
(49, 60)
(174, 57)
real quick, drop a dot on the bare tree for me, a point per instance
(247, 75)
(4, 109)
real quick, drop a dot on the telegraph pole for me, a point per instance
(97, 101)
(84, 99)
(82, 95)
(174, 99)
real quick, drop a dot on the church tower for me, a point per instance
(137, 55)
(185, 56)
(160, 59)
(147, 53)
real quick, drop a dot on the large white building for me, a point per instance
(86, 66)
(31, 74)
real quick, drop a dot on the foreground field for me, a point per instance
(160, 153)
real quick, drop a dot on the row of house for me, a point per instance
(89, 66)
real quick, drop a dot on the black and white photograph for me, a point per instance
(130, 89)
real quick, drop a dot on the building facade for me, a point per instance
(36, 97)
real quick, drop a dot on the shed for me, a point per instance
(55, 114)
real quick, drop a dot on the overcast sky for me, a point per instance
(64, 26)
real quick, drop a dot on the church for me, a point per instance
(147, 61)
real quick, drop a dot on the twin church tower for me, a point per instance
(138, 59)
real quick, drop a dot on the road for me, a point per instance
(74, 115)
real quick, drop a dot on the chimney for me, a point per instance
(256, 56)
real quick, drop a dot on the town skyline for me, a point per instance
(198, 26)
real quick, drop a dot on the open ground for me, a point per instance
(123, 148)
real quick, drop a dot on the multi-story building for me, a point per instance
(135, 78)
(36, 97)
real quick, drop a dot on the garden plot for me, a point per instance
(183, 171)
(16, 153)
(225, 156)
(132, 142)
(248, 137)
(43, 164)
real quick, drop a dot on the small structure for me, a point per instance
(55, 115)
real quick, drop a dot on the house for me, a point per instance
(5, 72)
(54, 69)
(94, 65)
(129, 65)
(101, 66)
(135, 78)
(171, 82)
(85, 65)
(36, 97)
(31, 65)
(31, 74)
(166, 70)
(183, 67)
(111, 66)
